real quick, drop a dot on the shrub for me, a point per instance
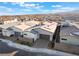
(51, 44)
(24, 42)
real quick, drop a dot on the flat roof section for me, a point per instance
(32, 23)
(22, 26)
(5, 26)
(51, 27)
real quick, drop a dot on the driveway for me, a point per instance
(41, 43)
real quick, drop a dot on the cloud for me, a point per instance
(33, 6)
(64, 9)
(56, 6)
(11, 13)
(58, 10)
(24, 10)
(17, 3)
(28, 5)
(68, 8)
(6, 8)
(28, 8)
(5, 13)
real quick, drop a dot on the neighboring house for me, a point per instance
(32, 23)
(47, 31)
(76, 24)
(32, 30)
(30, 35)
(20, 27)
(72, 37)
(11, 21)
(7, 32)
(6, 28)
(22, 30)
(71, 40)
(65, 23)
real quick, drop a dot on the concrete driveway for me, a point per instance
(41, 43)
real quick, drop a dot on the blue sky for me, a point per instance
(19, 8)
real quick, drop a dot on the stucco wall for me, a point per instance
(7, 32)
(73, 40)
(67, 48)
(40, 31)
(30, 35)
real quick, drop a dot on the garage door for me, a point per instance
(47, 37)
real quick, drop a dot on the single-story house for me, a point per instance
(72, 36)
(11, 21)
(47, 31)
(8, 32)
(65, 23)
(6, 28)
(31, 35)
(22, 30)
(32, 23)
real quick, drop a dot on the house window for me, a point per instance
(63, 39)
(25, 34)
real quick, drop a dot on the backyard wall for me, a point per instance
(67, 48)
(13, 38)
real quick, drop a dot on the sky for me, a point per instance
(20, 8)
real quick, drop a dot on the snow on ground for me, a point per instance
(31, 49)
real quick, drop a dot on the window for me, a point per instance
(63, 39)
(25, 34)
(11, 35)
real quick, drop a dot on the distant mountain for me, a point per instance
(69, 12)
(72, 15)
